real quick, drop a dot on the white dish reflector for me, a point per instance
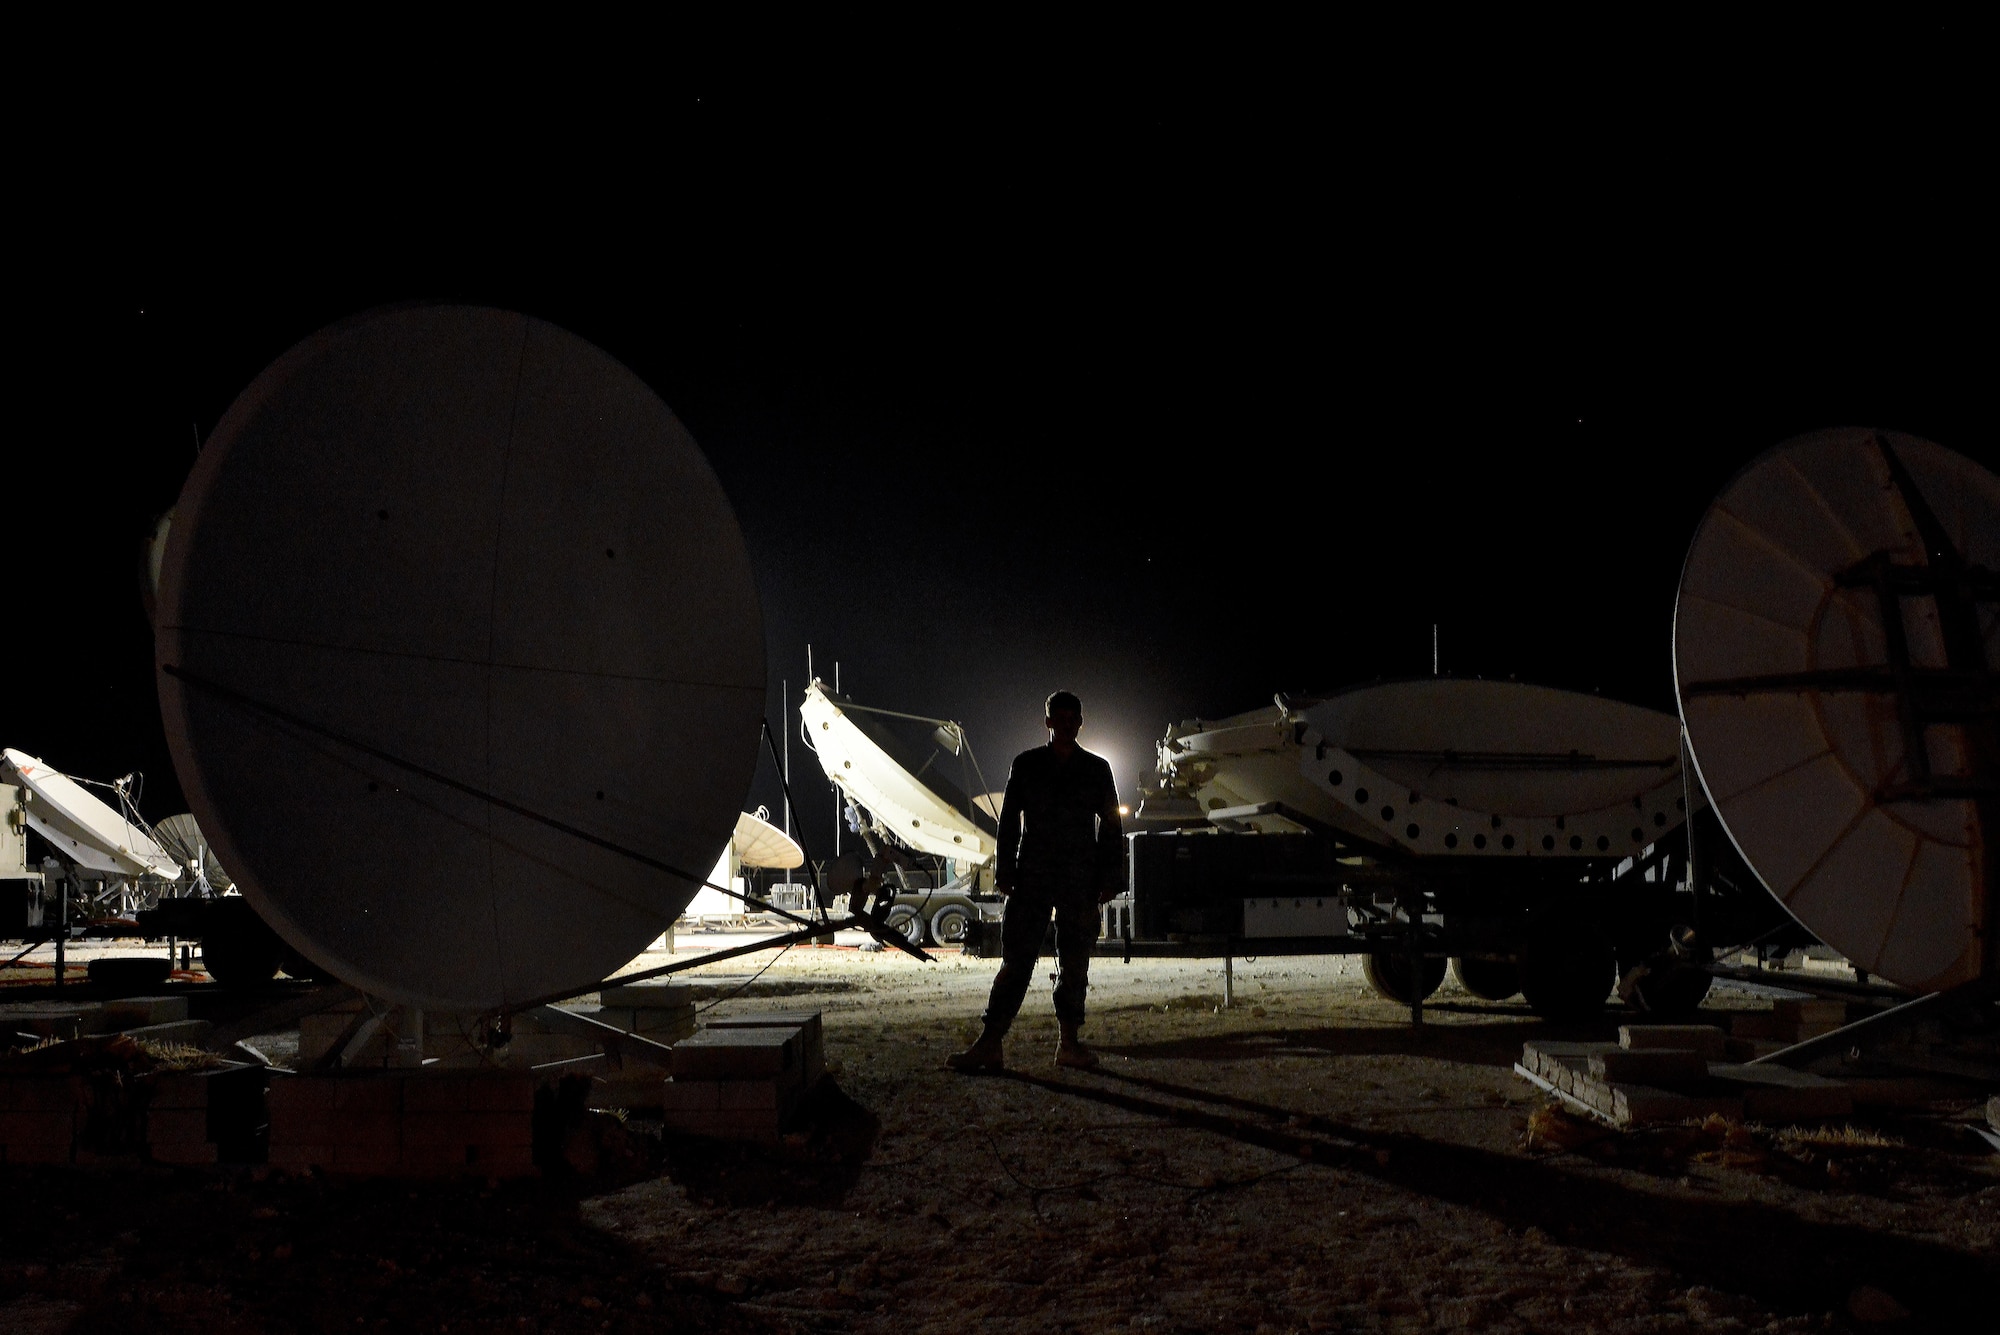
(458, 652)
(83, 829)
(1835, 643)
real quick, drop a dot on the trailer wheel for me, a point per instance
(950, 924)
(1567, 972)
(240, 951)
(905, 919)
(1388, 972)
(1489, 980)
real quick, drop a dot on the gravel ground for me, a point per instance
(1301, 1161)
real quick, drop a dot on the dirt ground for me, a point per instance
(1300, 1161)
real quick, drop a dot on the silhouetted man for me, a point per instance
(1060, 853)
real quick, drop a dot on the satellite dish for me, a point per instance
(1835, 642)
(183, 839)
(762, 844)
(459, 656)
(88, 832)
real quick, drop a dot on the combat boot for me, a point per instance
(985, 1055)
(1071, 1052)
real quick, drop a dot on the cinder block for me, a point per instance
(1778, 1093)
(647, 996)
(44, 1019)
(468, 1128)
(41, 1126)
(299, 1158)
(39, 1092)
(434, 1092)
(1649, 1066)
(1703, 1038)
(500, 1091)
(1634, 1105)
(756, 1096)
(35, 1152)
(680, 1095)
(164, 1125)
(185, 1154)
(635, 1086)
(811, 1032)
(357, 1093)
(303, 1126)
(371, 1161)
(1753, 1025)
(297, 1093)
(739, 1054)
(1802, 1013)
(133, 1012)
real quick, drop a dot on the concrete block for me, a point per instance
(1558, 1062)
(164, 1125)
(647, 996)
(808, 1023)
(43, 1019)
(1636, 1105)
(1803, 1013)
(358, 1093)
(634, 1087)
(35, 1152)
(682, 1095)
(500, 1091)
(1703, 1038)
(42, 1126)
(739, 1054)
(124, 1013)
(1649, 1066)
(299, 1158)
(468, 1128)
(431, 1091)
(39, 1092)
(1753, 1024)
(185, 1154)
(1778, 1093)
(366, 1160)
(757, 1096)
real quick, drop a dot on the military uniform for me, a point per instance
(1060, 847)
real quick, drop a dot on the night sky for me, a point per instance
(1225, 374)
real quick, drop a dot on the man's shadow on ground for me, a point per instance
(1766, 1251)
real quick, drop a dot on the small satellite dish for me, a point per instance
(1835, 641)
(182, 838)
(459, 656)
(762, 844)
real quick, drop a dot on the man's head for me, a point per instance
(1064, 716)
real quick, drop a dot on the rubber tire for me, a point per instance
(906, 920)
(1388, 972)
(241, 953)
(951, 925)
(1567, 973)
(1675, 994)
(1489, 980)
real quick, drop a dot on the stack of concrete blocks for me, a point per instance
(202, 1117)
(661, 1012)
(426, 1123)
(1672, 1073)
(743, 1078)
(38, 1117)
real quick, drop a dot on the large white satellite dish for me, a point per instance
(1835, 643)
(460, 657)
(89, 832)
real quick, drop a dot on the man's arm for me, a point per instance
(1010, 835)
(1110, 843)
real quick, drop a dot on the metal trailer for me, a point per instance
(1532, 842)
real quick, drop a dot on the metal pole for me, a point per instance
(785, 690)
(62, 933)
(1228, 981)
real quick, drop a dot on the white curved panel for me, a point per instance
(79, 826)
(873, 779)
(1813, 775)
(459, 653)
